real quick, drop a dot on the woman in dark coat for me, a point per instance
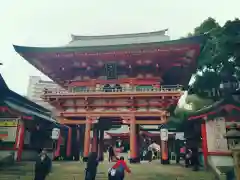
(92, 164)
(43, 166)
(111, 154)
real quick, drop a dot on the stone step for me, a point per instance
(66, 177)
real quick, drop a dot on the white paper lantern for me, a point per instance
(164, 134)
(55, 133)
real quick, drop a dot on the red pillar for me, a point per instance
(78, 135)
(86, 139)
(164, 151)
(138, 140)
(69, 142)
(78, 140)
(20, 140)
(164, 145)
(95, 141)
(133, 141)
(204, 142)
(101, 145)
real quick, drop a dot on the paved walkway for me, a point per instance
(75, 171)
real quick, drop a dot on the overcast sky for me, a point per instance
(50, 23)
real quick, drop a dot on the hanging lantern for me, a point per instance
(76, 64)
(37, 127)
(100, 63)
(139, 62)
(122, 62)
(84, 64)
(148, 61)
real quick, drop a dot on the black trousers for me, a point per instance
(90, 175)
(195, 160)
(110, 158)
(177, 158)
(40, 176)
(187, 162)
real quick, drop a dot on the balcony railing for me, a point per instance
(164, 88)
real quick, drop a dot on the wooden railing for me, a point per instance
(164, 88)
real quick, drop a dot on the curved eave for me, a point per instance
(214, 108)
(25, 49)
(113, 36)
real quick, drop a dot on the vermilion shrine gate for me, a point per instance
(113, 80)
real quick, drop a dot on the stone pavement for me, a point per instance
(75, 171)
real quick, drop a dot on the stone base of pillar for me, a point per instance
(101, 158)
(165, 161)
(76, 158)
(69, 158)
(134, 160)
(85, 159)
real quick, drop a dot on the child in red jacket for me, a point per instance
(118, 170)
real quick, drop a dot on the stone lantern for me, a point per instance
(233, 135)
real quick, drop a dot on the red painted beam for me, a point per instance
(220, 153)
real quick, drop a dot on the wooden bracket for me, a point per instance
(126, 119)
(92, 119)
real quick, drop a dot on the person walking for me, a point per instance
(117, 172)
(43, 166)
(111, 153)
(91, 168)
(177, 150)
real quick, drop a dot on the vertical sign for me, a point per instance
(216, 130)
(111, 70)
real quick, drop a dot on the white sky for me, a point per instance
(50, 23)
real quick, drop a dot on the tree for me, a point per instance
(219, 62)
(220, 58)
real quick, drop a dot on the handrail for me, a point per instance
(164, 88)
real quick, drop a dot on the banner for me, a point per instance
(8, 129)
(8, 122)
(8, 134)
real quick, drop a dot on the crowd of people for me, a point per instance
(43, 166)
(117, 172)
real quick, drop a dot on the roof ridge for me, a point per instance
(109, 36)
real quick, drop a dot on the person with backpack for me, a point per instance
(117, 172)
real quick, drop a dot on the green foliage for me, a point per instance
(220, 57)
(219, 62)
(196, 102)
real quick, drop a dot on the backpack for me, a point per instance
(120, 170)
(116, 172)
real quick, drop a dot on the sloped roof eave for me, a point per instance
(29, 112)
(211, 109)
(26, 49)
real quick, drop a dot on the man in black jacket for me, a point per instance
(43, 166)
